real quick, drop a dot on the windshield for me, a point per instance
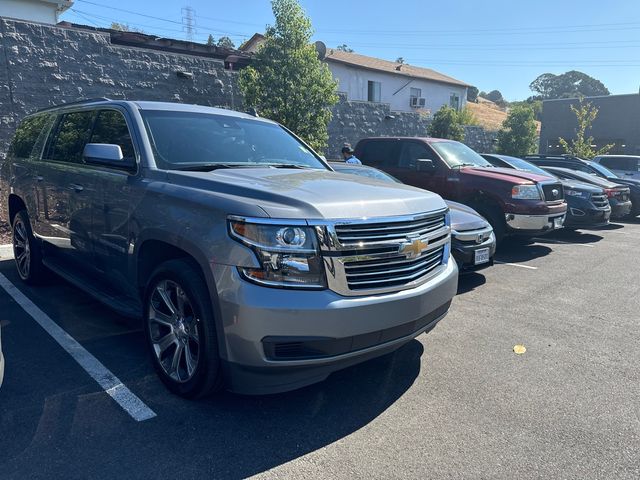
(520, 164)
(603, 170)
(457, 154)
(186, 140)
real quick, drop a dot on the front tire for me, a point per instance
(180, 330)
(27, 252)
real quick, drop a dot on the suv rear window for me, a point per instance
(620, 163)
(378, 153)
(26, 135)
(71, 136)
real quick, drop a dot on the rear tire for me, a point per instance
(180, 330)
(27, 251)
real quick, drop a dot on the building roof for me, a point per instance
(251, 45)
(371, 63)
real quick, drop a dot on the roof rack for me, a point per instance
(77, 102)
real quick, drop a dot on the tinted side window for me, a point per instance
(620, 163)
(378, 153)
(412, 152)
(71, 137)
(26, 136)
(111, 127)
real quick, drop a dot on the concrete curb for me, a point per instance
(6, 252)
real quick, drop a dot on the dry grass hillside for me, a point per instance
(490, 116)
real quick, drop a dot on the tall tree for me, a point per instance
(567, 85)
(495, 96)
(472, 94)
(225, 42)
(446, 123)
(581, 144)
(211, 41)
(286, 81)
(518, 135)
(344, 48)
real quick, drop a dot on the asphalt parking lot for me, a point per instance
(457, 403)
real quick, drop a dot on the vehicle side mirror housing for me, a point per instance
(425, 165)
(106, 154)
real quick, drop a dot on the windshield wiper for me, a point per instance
(208, 167)
(287, 165)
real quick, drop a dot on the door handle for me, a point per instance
(75, 187)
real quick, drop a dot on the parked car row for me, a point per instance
(253, 264)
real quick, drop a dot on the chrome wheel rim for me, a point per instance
(21, 248)
(173, 328)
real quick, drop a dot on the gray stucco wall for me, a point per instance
(618, 122)
(42, 65)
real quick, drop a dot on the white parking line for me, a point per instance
(130, 403)
(515, 265)
(561, 242)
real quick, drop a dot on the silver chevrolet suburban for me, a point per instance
(253, 264)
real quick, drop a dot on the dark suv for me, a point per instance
(513, 202)
(223, 231)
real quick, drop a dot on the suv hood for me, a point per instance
(578, 185)
(308, 194)
(464, 217)
(506, 174)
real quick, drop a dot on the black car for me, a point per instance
(619, 196)
(594, 168)
(587, 204)
(473, 243)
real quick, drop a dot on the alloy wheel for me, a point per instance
(173, 328)
(21, 248)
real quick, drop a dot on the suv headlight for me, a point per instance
(288, 254)
(526, 192)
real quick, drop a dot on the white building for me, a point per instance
(405, 87)
(41, 11)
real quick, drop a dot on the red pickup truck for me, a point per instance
(514, 202)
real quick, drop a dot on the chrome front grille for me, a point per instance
(384, 254)
(600, 200)
(372, 233)
(553, 192)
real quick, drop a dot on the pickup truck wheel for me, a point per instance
(180, 330)
(26, 251)
(495, 217)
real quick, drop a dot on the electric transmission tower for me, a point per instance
(189, 22)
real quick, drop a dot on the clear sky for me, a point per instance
(493, 44)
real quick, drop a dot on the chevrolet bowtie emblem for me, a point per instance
(414, 248)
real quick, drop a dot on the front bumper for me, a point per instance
(533, 224)
(587, 216)
(325, 331)
(620, 209)
(464, 246)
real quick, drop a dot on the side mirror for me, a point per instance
(425, 165)
(106, 154)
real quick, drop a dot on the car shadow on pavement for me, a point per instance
(51, 411)
(517, 251)
(571, 236)
(470, 281)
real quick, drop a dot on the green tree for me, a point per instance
(124, 27)
(225, 42)
(446, 124)
(286, 81)
(472, 94)
(518, 136)
(466, 117)
(495, 96)
(580, 145)
(400, 60)
(344, 48)
(211, 41)
(571, 84)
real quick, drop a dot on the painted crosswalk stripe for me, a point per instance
(129, 402)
